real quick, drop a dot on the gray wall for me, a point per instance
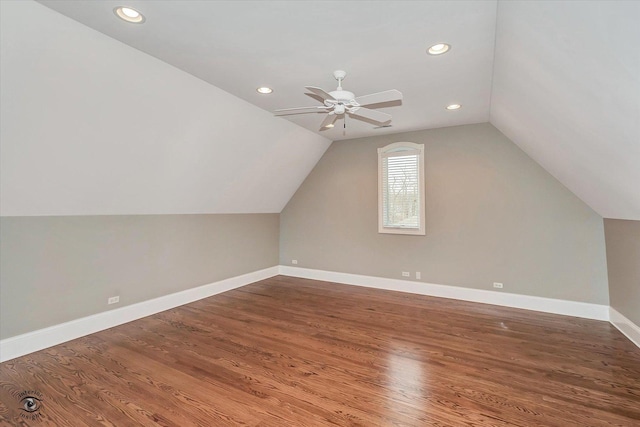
(492, 215)
(56, 269)
(623, 261)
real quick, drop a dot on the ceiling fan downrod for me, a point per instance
(339, 75)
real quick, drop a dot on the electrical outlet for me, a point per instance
(497, 285)
(113, 300)
(418, 276)
(405, 274)
(294, 261)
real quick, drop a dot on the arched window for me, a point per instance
(401, 189)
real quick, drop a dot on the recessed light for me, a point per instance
(128, 14)
(439, 49)
(264, 90)
(453, 107)
(329, 126)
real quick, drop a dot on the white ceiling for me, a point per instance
(563, 82)
(91, 126)
(566, 89)
(287, 45)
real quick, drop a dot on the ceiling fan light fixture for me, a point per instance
(452, 107)
(264, 90)
(439, 49)
(129, 14)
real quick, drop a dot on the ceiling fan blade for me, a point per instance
(321, 93)
(377, 98)
(329, 120)
(300, 110)
(376, 116)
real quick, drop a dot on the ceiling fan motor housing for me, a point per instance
(342, 96)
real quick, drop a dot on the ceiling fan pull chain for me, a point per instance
(344, 126)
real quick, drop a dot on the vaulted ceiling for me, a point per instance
(561, 79)
(566, 89)
(287, 45)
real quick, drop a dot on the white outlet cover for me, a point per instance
(497, 285)
(294, 261)
(405, 274)
(418, 275)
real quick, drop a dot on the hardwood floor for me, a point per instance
(296, 352)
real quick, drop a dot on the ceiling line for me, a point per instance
(493, 63)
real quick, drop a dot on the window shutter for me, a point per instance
(401, 189)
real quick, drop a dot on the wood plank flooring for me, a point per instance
(296, 352)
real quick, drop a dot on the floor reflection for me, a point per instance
(407, 375)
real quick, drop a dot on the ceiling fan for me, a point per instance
(340, 102)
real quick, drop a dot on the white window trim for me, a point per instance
(399, 147)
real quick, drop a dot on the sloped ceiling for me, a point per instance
(287, 45)
(91, 126)
(566, 89)
(562, 81)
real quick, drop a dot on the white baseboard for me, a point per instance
(20, 345)
(527, 302)
(624, 325)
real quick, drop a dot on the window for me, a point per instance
(401, 188)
